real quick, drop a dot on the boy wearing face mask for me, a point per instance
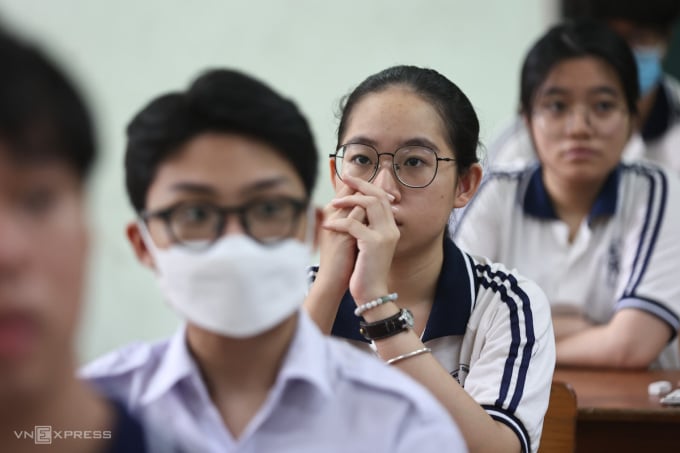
(647, 27)
(221, 177)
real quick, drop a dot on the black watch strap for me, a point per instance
(387, 327)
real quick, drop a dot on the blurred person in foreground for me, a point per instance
(47, 149)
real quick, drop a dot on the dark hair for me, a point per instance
(658, 15)
(455, 109)
(578, 39)
(220, 100)
(42, 116)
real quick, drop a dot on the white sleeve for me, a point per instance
(477, 231)
(512, 146)
(514, 361)
(431, 435)
(650, 281)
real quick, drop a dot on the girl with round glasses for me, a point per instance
(391, 281)
(600, 237)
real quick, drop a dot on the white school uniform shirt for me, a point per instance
(491, 329)
(625, 254)
(327, 397)
(658, 142)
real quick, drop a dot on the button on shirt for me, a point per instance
(327, 397)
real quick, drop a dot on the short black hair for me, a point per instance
(42, 115)
(577, 39)
(219, 100)
(658, 15)
(455, 109)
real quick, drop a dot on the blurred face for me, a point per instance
(579, 121)
(393, 119)
(219, 170)
(637, 36)
(43, 245)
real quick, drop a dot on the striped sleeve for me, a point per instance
(512, 373)
(651, 282)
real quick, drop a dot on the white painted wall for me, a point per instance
(124, 52)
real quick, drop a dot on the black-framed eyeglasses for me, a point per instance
(198, 224)
(414, 166)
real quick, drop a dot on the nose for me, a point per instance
(579, 121)
(386, 178)
(232, 225)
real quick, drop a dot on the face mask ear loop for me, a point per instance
(146, 237)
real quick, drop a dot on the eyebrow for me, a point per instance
(415, 141)
(602, 89)
(201, 189)
(206, 189)
(266, 184)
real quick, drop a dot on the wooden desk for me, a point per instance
(615, 412)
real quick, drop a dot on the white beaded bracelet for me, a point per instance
(408, 355)
(374, 303)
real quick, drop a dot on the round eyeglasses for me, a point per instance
(414, 166)
(199, 224)
(602, 117)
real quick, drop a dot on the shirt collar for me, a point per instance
(305, 360)
(307, 357)
(537, 202)
(175, 365)
(450, 310)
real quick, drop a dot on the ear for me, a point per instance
(468, 183)
(134, 235)
(334, 175)
(526, 119)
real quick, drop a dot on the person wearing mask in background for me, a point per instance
(599, 236)
(221, 177)
(647, 27)
(390, 280)
(47, 149)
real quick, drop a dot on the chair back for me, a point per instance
(559, 425)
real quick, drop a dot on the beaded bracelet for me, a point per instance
(374, 303)
(408, 355)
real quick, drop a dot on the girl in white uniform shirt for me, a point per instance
(478, 336)
(599, 236)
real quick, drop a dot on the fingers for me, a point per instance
(360, 203)
(365, 187)
(377, 211)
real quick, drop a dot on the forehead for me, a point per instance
(585, 75)
(21, 169)
(393, 116)
(227, 167)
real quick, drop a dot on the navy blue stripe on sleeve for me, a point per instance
(656, 206)
(496, 281)
(653, 307)
(513, 423)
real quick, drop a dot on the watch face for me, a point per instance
(407, 316)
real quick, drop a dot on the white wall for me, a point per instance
(124, 52)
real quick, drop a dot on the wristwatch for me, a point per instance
(387, 327)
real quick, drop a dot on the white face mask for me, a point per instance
(237, 287)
